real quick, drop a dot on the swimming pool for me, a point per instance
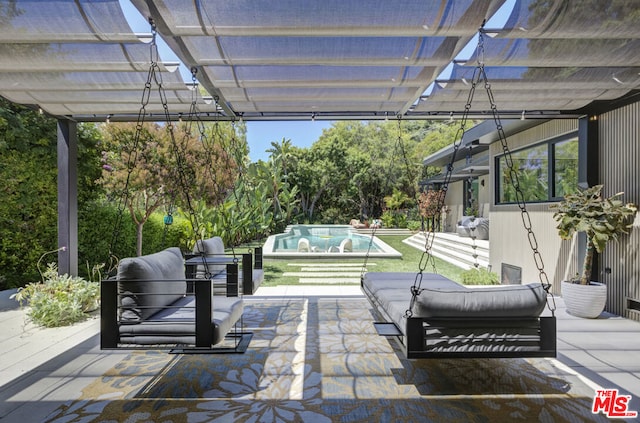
(325, 241)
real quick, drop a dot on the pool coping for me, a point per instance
(387, 250)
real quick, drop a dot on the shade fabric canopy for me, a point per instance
(335, 59)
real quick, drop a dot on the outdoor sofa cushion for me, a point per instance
(154, 305)
(210, 247)
(149, 283)
(215, 247)
(444, 298)
(477, 226)
(175, 325)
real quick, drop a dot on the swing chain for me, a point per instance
(133, 152)
(427, 256)
(515, 182)
(478, 76)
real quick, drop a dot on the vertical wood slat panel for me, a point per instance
(619, 151)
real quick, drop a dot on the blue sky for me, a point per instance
(301, 134)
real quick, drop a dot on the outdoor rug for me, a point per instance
(319, 359)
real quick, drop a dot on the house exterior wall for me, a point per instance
(619, 155)
(484, 195)
(619, 152)
(510, 242)
(453, 202)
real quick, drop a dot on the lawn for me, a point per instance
(275, 268)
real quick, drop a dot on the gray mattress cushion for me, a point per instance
(442, 297)
(375, 281)
(148, 283)
(176, 325)
(499, 301)
(391, 291)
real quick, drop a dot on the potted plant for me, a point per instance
(602, 219)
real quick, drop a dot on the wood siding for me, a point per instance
(619, 150)
(510, 242)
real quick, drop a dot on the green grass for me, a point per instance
(274, 268)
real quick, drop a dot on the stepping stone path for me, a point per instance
(327, 273)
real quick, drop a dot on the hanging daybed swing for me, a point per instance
(447, 320)
(147, 304)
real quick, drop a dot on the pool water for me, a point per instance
(325, 241)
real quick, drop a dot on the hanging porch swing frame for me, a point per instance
(143, 332)
(473, 335)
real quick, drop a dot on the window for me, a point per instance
(470, 197)
(545, 171)
(565, 167)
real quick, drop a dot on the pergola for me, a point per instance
(79, 60)
(335, 59)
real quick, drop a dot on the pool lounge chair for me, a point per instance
(304, 246)
(346, 246)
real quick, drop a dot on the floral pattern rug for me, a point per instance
(319, 359)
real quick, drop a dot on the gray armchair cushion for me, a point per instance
(500, 301)
(476, 226)
(149, 283)
(210, 247)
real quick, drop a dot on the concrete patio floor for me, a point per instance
(41, 369)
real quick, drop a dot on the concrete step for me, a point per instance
(454, 249)
(324, 269)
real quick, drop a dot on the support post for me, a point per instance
(232, 280)
(68, 197)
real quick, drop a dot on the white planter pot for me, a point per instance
(584, 300)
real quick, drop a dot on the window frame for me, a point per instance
(550, 171)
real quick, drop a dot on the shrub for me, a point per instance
(414, 225)
(479, 276)
(388, 220)
(400, 220)
(59, 300)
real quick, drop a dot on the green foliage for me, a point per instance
(28, 169)
(414, 225)
(388, 219)
(400, 220)
(479, 276)
(59, 300)
(471, 210)
(347, 173)
(602, 219)
(28, 206)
